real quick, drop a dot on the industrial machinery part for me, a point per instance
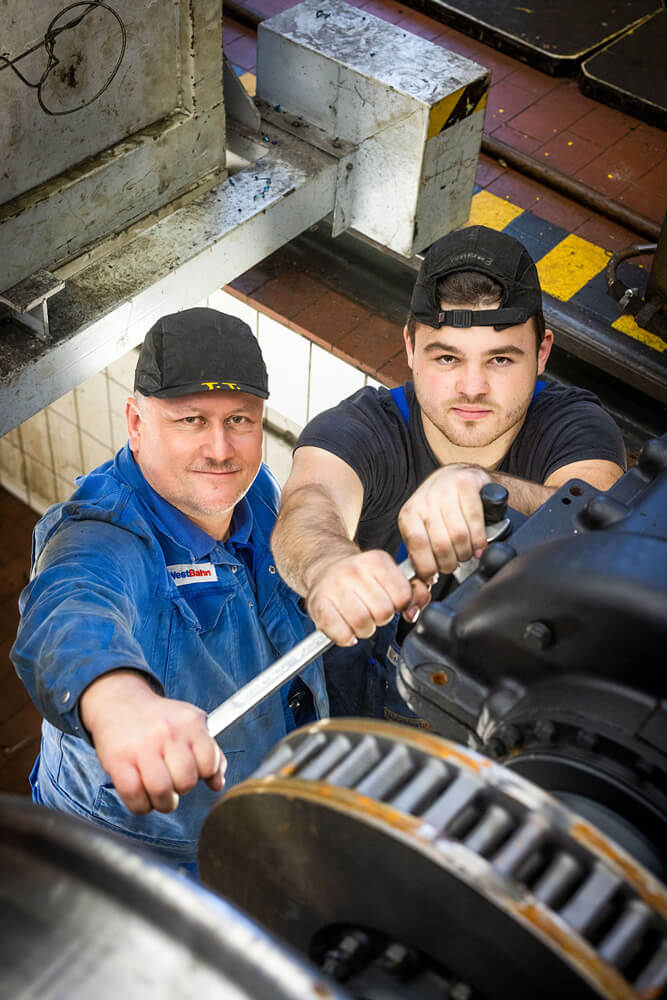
(409, 866)
(550, 657)
(417, 134)
(84, 916)
(650, 309)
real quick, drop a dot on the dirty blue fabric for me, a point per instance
(121, 578)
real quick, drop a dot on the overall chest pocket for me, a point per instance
(203, 608)
(201, 635)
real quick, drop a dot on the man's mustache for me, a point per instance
(213, 466)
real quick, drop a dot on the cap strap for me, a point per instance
(482, 317)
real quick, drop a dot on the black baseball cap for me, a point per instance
(198, 350)
(478, 248)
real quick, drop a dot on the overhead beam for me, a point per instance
(107, 307)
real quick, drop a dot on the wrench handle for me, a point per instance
(265, 684)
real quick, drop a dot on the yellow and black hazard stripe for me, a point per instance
(457, 106)
(570, 267)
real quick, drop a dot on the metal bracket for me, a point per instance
(26, 301)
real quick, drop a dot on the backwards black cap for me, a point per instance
(497, 255)
(198, 350)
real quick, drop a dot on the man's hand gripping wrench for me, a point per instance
(494, 499)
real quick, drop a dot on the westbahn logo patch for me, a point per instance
(184, 573)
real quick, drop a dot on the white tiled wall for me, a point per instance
(331, 380)
(40, 459)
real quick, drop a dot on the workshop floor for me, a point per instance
(546, 117)
(19, 719)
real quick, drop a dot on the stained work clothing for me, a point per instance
(121, 578)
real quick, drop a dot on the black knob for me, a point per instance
(603, 512)
(653, 457)
(494, 500)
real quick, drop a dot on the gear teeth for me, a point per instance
(522, 834)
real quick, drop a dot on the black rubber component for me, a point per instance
(554, 35)
(494, 502)
(630, 73)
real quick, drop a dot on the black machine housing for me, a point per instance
(551, 657)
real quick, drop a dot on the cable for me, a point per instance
(49, 43)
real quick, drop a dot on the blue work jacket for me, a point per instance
(121, 578)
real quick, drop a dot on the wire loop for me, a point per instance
(49, 44)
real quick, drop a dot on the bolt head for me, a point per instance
(538, 635)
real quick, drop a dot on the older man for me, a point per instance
(408, 465)
(154, 596)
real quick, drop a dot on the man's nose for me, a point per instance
(472, 381)
(218, 443)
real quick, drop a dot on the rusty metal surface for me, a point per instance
(398, 847)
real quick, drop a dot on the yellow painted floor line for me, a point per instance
(569, 266)
(488, 209)
(626, 324)
(249, 83)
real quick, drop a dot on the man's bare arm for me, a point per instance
(526, 497)
(319, 512)
(443, 521)
(599, 473)
(523, 495)
(349, 593)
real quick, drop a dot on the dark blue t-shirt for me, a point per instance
(367, 431)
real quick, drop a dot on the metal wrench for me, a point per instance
(283, 670)
(494, 500)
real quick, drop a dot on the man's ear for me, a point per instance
(133, 419)
(544, 350)
(409, 349)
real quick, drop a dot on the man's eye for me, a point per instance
(501, 361)
(190, 420)
(446, 359)
(238, 420)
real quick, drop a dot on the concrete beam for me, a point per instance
(109, 304)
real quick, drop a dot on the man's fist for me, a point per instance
(352, 596)
(442, 523)
(153, 748)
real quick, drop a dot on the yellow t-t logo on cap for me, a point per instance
(221, 385)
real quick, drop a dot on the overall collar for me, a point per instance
(172, 522)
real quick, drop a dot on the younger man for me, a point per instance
(384, 467)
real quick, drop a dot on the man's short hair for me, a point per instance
(473, 289)
(488, 271)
